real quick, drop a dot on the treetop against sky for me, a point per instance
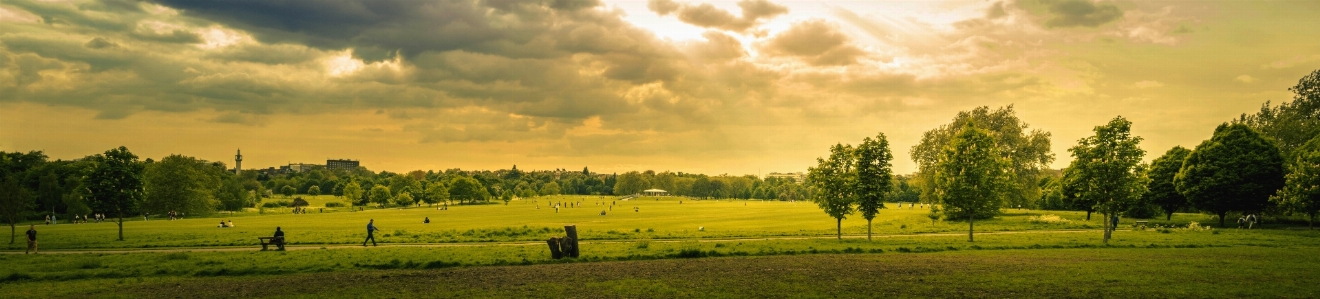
(734, 87)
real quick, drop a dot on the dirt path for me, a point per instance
(536, 243)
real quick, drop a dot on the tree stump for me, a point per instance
(572, 249)
(555, 253)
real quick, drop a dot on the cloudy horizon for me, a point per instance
(714, 87)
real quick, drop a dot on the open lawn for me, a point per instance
(747, 249)
(536, 220)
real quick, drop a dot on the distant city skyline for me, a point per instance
(713, 87)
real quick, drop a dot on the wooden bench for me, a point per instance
(266, 241)
(1141, 224)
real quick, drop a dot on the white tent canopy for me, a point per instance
(655, 192)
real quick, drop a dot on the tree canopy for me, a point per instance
(115, 184)
(1290, 124)
(1106, 169)
(832, 180)
(874, 180)
(1027, 152)
(1301, 189)
(971, 178)
(1161, 190)
(1236, 170)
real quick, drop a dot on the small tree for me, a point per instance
(287, 191)
(14, 200)
(874, 177)
(833, 181)
(934, 214)
(550, 188)
(352, 192)
(314, 191)
(115, 184)
(436, 193)
(971, 178)
(380, 195)
(1105, 169)
(1236, 170)
(404, 199)
(506, 197)
(1161, 190)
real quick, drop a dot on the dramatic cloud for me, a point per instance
(708, 16)
(817, 42)
(701, 86)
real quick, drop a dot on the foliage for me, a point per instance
(353, 191)
(971, 178)
(1236, 170)
(1026, 152)
(1290, 124)
(1301, 189)
(179, 184)
(631, 182)
(380, 195)
(14, 200)
(832, 180)
(1161, 190)
(550, 188)
(314, 190)
(1106, 169)
(298, 202)
(115, 184)
(874, 176)
(466, 189)
(436, 193)
(287, 190)
(404, 199)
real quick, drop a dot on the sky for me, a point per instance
(714, 87)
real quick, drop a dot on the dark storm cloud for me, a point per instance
(708, 16)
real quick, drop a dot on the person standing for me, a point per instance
(32, 239)
(371, 233)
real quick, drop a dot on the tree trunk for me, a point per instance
(1169, 217)
(121, 227)
(1107, 228)
(840, 227)
(1088, 215)
(971, 225)
(12, 232)
(868, 229)
(1309, 224)
(1221, 218)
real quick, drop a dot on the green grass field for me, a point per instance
(507, 242)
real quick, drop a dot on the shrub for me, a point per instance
(275, 204)
(299, 202)
(334, 204)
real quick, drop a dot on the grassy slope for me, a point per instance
(1055, 273)
(523, 221)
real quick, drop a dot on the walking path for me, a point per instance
(255, 247)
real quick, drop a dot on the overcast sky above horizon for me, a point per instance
(715, 87)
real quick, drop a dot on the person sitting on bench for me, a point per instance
(279, 238)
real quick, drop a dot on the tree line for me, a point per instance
(986, 160)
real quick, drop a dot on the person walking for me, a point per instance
(32, 239)
(371, 233)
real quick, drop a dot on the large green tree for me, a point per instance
(631, 182)
(115, 184)
(1290, 124)
(1161, 190)
(1236, 170)
(1301, 189)
(550, 188)
(14, 201)
(180, 184)
(874, 177)
(436, 193)
(832, 180)
(467, 189)
(971, 177)
(1105, 169)
(1027, 151)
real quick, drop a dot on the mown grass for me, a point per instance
(534, 220)
(1219, 272)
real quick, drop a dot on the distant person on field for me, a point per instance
(47, 219)
(32, 239)
(371, 233)
(222, 224)
(1241, 221)
(427, 220)
(1114, 223)
(231, 223)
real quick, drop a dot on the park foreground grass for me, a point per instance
(746, 249)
